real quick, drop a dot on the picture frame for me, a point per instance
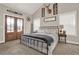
(43, 12)
(49, 19)
(55, 8)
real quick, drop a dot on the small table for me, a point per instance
(62, 35)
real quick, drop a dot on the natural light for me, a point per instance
(36, 25)
(68, 19)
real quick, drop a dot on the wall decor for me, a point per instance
(49, 19)
(43, 12)
(47, 5)
(28, 18)
(15, 12)
(55, 8)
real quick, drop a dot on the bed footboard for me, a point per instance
(36, 44)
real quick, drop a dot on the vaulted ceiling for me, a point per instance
(29, 8)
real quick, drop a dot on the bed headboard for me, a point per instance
(49, 29)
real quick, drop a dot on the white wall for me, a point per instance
(68, 7)
(37, 15)
(65, 7)
(3, 12)
(62, 8)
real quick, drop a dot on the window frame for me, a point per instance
(15, 18)
(33, 23)
(75, 28)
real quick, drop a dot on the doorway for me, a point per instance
(13, 28)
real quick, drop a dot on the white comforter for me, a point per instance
(53, 44)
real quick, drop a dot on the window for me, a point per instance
(14, 24)
(10, 24)
(68, 20)
(19, 25)
(36, 25)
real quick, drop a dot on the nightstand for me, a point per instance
(62, 35)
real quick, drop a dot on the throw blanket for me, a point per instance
(46, 38)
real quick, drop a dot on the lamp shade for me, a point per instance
(61, 26)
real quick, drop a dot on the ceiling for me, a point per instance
(29, 8)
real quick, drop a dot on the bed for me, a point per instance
(44, 41)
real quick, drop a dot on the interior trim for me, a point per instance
(72, 42)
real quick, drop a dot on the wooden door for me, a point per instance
(13, 28)
(19, 28)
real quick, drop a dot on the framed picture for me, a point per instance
(43, 12)
(55, 8)
(49, 19)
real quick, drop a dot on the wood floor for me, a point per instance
(15, 48)
(66, 49)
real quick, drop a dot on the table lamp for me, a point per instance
(61, 29)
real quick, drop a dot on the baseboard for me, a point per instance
(2, 42)
(72, 42)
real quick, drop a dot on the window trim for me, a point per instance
(75, 12)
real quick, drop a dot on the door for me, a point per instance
(13, 28)
(19, 28)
